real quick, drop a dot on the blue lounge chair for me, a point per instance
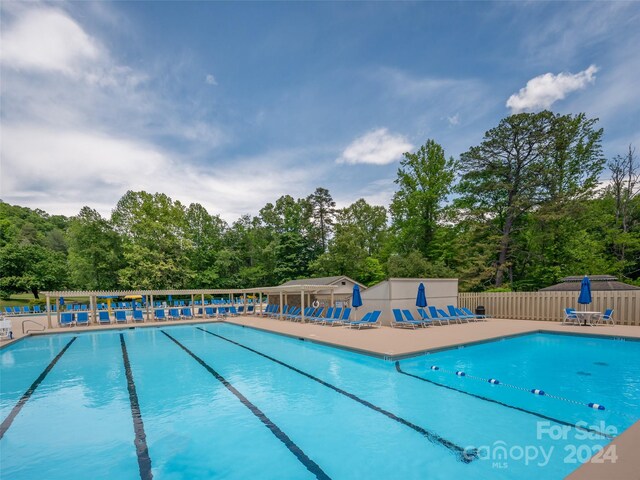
(103, 317)
(76, 307)
(121, 316)
(241, 309)
(36, 309)
(158, 314)
(174, 314)
(138, 316)
(250, 309)
(443, 315)
(16, 310)
(370, 320)
(292, 313)
(455, 313)
(317, 316)
(83, 308)
(66, 319)
(408, 316)
(233, 311)
(465, 315)
(398, 320)
(8, 310)
(222, 312)
(425, 318)
(82, 318)
(308, 312)
(26, 310)
(335, 318)
(209, 312)
(186, 313)
(440, 315)
(478, 318)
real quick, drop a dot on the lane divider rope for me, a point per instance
(498, 402)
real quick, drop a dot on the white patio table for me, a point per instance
(584, 316)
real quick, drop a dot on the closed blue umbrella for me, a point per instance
(585, 291)
(61, 300)
(421, 299)
(356, 300)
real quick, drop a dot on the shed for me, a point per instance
(401, 293)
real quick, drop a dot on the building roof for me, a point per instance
(321, 281)
(598, 283)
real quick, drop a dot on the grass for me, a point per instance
(26, 299)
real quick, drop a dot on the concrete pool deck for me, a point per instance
(392, 343)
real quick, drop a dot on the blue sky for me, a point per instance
(235, 104)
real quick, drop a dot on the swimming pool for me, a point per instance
(221, 401)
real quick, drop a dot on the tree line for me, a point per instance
(519, 211)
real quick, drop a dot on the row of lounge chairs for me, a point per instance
(121, 316)
(403, 318)
(331, 316)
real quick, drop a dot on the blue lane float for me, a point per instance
(535, 391)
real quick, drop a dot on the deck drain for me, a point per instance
(585, 374)
(602, 364)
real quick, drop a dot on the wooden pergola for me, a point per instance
(93, 295)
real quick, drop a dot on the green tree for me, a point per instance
(156, 247)
(323, 214)
(95, 251)
(424, 180)
(502, 178)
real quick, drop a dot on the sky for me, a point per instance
(233, 105)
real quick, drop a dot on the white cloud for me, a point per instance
(378, 147)
(544, 90)
(211, 80)
(45, 39)
(454, 120)
(60, 170)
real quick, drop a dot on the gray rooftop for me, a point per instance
(599, 283)
(319, 281)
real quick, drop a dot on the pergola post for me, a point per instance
(281, 306)
(331, 304)
(49, 311)
(58, 310)
(152, 306)
(302, 306)
(245, 310)
(202, 303)
(92, 307)
(261, 308)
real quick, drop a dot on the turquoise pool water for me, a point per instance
(221, 401)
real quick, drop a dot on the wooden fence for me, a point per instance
(550, 305)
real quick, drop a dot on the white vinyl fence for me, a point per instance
(550, 305)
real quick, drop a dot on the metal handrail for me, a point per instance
(32, 321)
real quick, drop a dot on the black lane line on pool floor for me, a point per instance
(464, 455)
(312, 466)
(487, 399)
(142, 451)
(26, 395)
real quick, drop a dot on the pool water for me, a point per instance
(222, 401)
